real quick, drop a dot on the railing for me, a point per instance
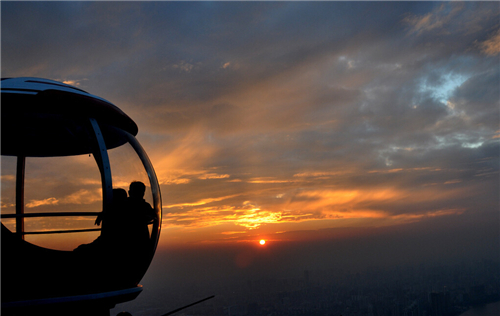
(54, 215)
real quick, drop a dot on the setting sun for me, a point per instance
(262, 242)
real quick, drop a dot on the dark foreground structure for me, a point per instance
(44, 118)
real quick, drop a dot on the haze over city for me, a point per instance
(346, 135)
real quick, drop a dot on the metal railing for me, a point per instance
(61, 214)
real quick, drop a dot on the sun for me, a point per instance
(262, 242)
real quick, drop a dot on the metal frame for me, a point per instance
(50, 214)
(23, 216)
(102, 160)
(20, 173)
(155, 186)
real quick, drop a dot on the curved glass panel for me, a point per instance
(110, 240)
(59, 185)
(131, 225)
(52, 185)
(126, 167)
(155, 189)
(67, 185)
(130, 164)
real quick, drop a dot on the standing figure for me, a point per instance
(138, 214)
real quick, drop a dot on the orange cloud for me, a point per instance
(213, 176)
(348, 207)
(316, 174)
(247, 215)
(492, 45)
(83, 197)
(268, 180)
(413, 217)
(433, 21)
(185, 159)
(201, 202)
(8, 177)
(48, 201)
(80, 197)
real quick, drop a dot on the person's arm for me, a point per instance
(98, 219)
(150, 214)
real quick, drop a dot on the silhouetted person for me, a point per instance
(112, 217)
(111, 220)
(138, 214)
(134, 238)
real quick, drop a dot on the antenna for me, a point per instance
(179, 309)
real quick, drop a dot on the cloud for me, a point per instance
(268, 180)
(389, 205)
(201, 202)
(184, 66)
(213, 176)
(8, 178)
(435, 20)
(72, 82)
(80, 197)
(450, 18)
(36, 203)
(492, 45)
(248, 215)
(83, 197)
(257, 115)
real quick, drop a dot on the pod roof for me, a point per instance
(40, 117)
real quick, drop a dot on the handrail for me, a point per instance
(50, 214)
(54, 215)
(63, 231)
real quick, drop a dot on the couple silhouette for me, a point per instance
(125, 222)
(120, 253)
(128, 217)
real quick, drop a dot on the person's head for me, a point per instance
(119, 195)
(137, 189)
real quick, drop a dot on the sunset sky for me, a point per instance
(291, 121)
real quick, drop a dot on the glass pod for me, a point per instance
(81, 204)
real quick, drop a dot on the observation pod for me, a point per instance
(68, 160)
